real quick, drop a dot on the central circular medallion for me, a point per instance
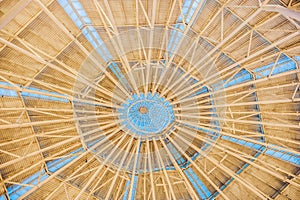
(124, 109)
(143, 110)
(146, 115)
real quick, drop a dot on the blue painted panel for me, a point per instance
(126, 190)
(15, 191)
(134, 187)
(126, 194)
(241, 77)
(201, 189)
(7, 92)
(175, 37)
(179, 159)
(42, 96)
(13, 93)
(135, 180)
(297, 58)
(284, 64)
(79, 16)
(55, 165)
(189, 8)
(282, 155)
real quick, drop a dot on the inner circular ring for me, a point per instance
(145, 115)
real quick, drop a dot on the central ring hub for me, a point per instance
(143, 110)
(146, 116)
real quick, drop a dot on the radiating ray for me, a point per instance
(231, 83)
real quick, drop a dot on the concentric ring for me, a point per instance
(150, 100)
(146, 115)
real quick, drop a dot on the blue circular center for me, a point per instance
(145, 115)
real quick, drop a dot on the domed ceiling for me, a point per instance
(149, 99)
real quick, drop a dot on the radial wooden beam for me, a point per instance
(262, 35)
(148, 153)
(52, 158)
(94, 189)
(238, 86)
(116, 42)
(212, 128)
(127, 151)
(32, 128)
(217, 47)
(242, 156)
(287, 12)
(27, 23)
(68, 141)
(148, 67)
(177, 48)
(145, 177)
(91, 179)
(74, 76)
(189, 187)
(135, 164)
(66, 31)
(55, 87)
(45, 122)
(243, 120)
(197, 168)
(191, 48)
(50, 195)
(235, 31)
(227, 69)
(54, 175)
(228, 171)
(161, 163)
(13, 12)
(144, 12)
(297, 126)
